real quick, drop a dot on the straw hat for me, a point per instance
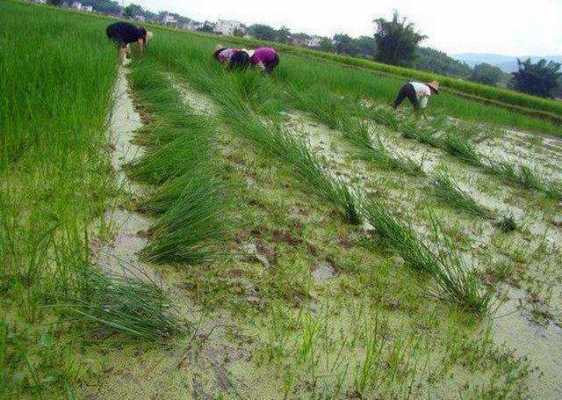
(434, 85)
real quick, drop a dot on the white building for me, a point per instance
(76, 5)
(314, 41)
(87, 8)
(169, 19)
(192, 25)
(39, 1)
(140, 18)
(228, 27)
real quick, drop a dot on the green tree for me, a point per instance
(439, 62)
(396, 40)
(345, 44)
(283, 35)
(539, 79)
(55, 2)
(367, 46)
(132, 10)
(486, 73)
(327, 45)
(262, 32)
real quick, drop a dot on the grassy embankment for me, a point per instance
(56, 77)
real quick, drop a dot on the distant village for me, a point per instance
(173, 20)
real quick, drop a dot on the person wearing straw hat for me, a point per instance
(418, 93)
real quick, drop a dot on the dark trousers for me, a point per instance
(406, 91)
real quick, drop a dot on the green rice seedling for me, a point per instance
(455, 282)
(379, 154)
(449, 192)
(182, 155)
(426, 134)
(384, 116)
(187, 231)
(167, 195)
(131, 306)
(525, 177)
(399, 237)
(460, 147)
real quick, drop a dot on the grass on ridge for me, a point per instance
(456, 282)
(449, 192)
(190, 201)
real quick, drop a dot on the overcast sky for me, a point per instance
(511, 27)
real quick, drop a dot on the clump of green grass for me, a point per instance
(462, 148)
(190, 200)
(525, 177)
(182, 155)
(191, 223)
(377, 152)
(455, 281)
(423, 134)
(131, 306)
(384, 116)
(449, 192)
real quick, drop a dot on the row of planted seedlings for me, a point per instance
(188, 199)
(248, 107)
(454, 138)
(330, 111)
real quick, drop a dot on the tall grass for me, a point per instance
(449, 192)
(130, 305)
(456, 282)
(56, 77)
(190, 200)
(257, 121)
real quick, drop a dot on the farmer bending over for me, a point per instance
(264, 58)
(418, 94)
(124, 33)
(232, 58)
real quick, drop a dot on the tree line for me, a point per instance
(395, 41)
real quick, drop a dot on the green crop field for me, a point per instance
(172, 230)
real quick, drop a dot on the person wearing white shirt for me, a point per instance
(417, 92)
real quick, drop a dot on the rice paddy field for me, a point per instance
(171, 230)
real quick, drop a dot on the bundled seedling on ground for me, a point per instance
(449, 192)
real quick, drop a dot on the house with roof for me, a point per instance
(228, 27)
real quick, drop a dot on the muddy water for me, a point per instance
(542, 345)
(120, 256)
(512, 326)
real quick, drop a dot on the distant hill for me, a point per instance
(505, 63)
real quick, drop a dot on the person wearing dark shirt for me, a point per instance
(124, 33)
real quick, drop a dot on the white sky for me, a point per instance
(511, 27)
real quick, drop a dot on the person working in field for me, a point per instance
(232, 58)
(264, 58)
(418, 93)
(124, 33)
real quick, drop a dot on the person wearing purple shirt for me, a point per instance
(265, 58)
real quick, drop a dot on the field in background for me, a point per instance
(325, 246)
